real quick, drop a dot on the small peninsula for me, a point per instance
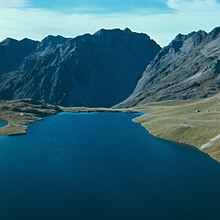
(19, 113)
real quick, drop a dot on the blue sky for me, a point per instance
(101, 6)
(161, 19)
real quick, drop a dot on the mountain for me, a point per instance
(13, 52)
(188, 68)
(90, 70)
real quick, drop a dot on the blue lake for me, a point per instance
(102, 166)
(2, 123)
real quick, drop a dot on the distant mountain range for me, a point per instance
(188, 68)
(103, 69)
(90, 70)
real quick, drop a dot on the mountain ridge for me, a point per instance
(13, 52)
(187, 68)
(89, 70)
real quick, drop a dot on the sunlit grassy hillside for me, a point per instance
(192, 122)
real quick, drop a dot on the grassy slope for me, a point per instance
(21, 112)
(178, 121)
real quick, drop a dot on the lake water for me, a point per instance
(102, 166)
(2, 123)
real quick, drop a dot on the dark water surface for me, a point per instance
(102, 166)
(3, 123)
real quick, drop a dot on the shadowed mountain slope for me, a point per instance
(90, 70)
(13, 52)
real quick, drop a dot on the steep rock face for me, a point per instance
(188, 68)
(13, 52)
(89, 70)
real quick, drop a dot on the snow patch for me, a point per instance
(211, 142)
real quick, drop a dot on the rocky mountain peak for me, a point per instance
(187, 68)
(52, 41)
(214, 33)
(8, 41)
(185, 43)
(89, 70)
(128, 30)
(13, 53)
(104, 32)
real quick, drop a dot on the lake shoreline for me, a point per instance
(103, 159)
(192, 122)
(19, 113)
(177, 142)
(162, 120)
